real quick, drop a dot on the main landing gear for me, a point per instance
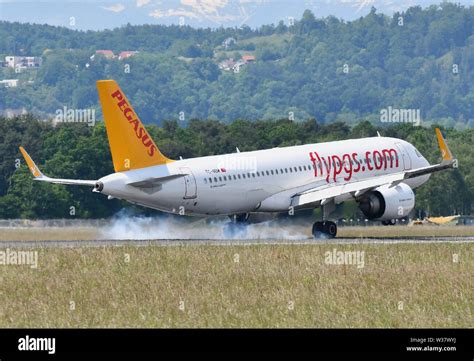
(324, 229)
(390, 222)
(237, 227)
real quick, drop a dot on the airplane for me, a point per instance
(379, 173)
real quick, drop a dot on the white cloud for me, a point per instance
(141, 3)
(205, 6)
(172, 12)
(201, 10)
(114, 8)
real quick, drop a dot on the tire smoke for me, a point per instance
(177, 228)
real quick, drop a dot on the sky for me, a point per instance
(108, 14)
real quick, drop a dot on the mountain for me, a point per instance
(93, 15)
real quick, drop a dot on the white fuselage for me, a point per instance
(264, 180)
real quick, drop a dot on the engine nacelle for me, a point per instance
(384, 203)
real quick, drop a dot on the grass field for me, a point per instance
(400, 285)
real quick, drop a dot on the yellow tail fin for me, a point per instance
(130, 144)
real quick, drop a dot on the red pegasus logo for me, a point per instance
(140, 131)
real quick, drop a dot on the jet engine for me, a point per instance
(386, 203)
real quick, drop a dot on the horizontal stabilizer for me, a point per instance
(154, 182)
(41, 177)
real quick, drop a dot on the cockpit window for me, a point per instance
(418, 153)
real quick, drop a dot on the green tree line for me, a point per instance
(72, 150)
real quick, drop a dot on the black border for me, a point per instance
(368, 342)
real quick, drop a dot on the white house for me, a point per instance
(23, 62)
(9, 83)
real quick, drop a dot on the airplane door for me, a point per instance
(405, 156)
(190, 190)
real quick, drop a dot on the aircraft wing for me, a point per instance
(322, 195)
(327, 193)
(41, 177)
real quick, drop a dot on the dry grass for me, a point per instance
(48, 233)
(255, 292)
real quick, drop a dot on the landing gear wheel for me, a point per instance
(240, 218)
(390, 222)
(325, 229)
(237, 227)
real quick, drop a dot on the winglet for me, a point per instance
(443, 146)
(31, 164)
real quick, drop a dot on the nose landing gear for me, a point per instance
(324, 229)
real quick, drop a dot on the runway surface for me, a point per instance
(231, 242)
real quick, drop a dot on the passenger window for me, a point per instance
(215, 179)
(286, 170)
(253, 175)
(220, 179)
(268, 173)
(238, 175)
(210, 180)
(243, 175)
(271, 171)
(276, 171)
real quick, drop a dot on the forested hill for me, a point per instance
(326, 68)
